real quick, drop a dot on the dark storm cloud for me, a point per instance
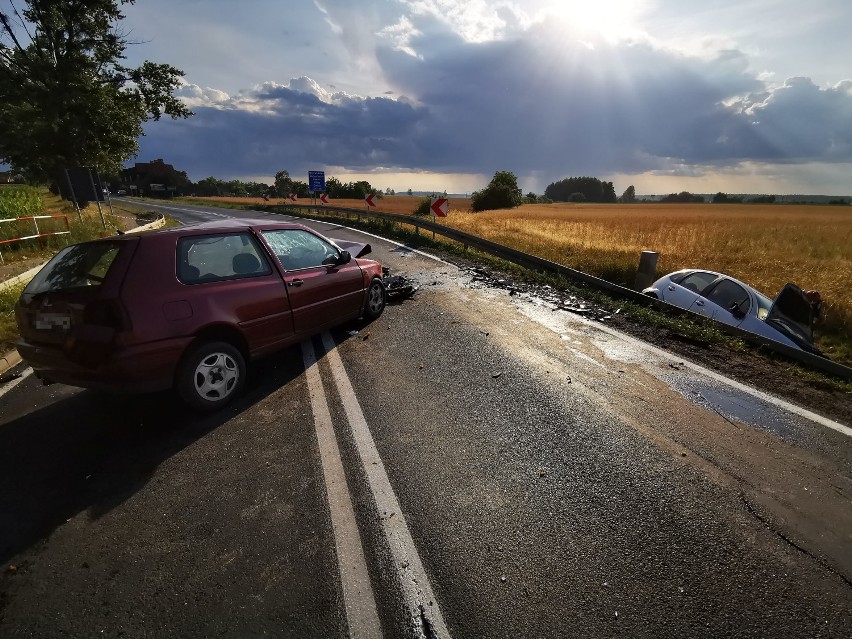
(533, 104)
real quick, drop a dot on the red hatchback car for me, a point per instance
(188, 307)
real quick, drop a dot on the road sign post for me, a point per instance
(316, 184)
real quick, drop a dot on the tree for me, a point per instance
(67, 99)
(762, 199)
(629, 195)
(209, 186)
(682, 197)
(592, 189)
(283, 184)
(724, 198)
(501, 193)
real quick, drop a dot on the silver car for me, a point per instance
(787, 319)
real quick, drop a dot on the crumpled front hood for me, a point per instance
(792, 312)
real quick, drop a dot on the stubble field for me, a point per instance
(765, 246)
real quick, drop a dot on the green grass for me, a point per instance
(8, 327)
(20, 201)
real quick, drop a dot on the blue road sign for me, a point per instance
(316, 181)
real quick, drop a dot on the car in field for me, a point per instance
(188, 307)
(787, 319)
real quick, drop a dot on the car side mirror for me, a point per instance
(345, 257)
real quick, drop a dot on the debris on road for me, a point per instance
(8, 378)
(398, 287)
(496, 375)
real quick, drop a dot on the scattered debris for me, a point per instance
(12, 569)
(568, 378)
(352, 333)
(9, 377)
(398, 287)
(502, 579)
(496, 375)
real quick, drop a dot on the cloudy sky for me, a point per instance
(747, 96)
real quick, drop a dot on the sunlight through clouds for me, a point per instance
(653, 88)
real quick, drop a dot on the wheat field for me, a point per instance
(765, 246)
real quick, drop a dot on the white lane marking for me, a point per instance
(419, 596)
(361, 613)
(16, 381)
(169, 207)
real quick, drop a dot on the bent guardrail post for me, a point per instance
(647, 271)
(539, 264)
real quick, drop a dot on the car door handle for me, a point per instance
(699, 303)
(671, 288)
(295, 282)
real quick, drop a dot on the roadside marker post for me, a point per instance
(368, 203)
(439, 208)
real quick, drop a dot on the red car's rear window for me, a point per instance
(77, 266)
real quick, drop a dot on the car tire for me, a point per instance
(211, 375)
(376, 299)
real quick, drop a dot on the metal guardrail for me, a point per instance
(38, 232)
(539, 264)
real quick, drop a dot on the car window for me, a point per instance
(208, 258)
(698, 281)
(763, 305)
(76, 266)
(727, 293)
(297, 249)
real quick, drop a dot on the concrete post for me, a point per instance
(647, 272)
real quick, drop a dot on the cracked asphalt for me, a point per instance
(557, 480)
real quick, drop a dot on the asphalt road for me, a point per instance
(512, 471)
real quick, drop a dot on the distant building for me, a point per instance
(6, 177)
(155, 178)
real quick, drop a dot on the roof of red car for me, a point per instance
(230, 223)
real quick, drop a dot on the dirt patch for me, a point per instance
(12, 267)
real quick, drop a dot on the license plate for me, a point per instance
(50, 321)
